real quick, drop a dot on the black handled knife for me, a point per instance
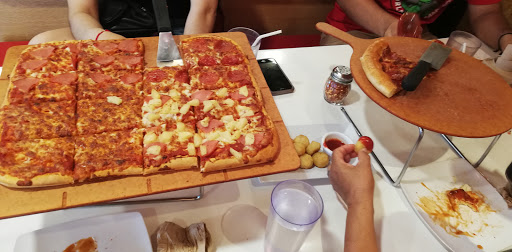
(434, 57)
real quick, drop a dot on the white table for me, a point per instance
(235, 212)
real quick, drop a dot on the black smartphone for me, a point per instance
(276, 79)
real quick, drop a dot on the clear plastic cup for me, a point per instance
(251, 36)
(294, 209)
(457, 40)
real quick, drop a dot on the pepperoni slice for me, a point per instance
(224, 46)
(65, 78)
(128, 45)
(106, 46)
(43, 53)
(231, 59)
(202, 95)
(33, 64)
(237, 96)
(26, 84)
(130, 60)
(199, 45)
(209, 78)
(213, 124)
(74, 48)
(99, 77)
(157, 75)
(182, 76)
(131, 78)
(237, 75)
(211, 145)
(207, 60)
(104, 59)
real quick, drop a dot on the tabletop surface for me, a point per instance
(223, 205)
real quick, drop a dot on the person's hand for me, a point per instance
(353, 183)
(392, 29)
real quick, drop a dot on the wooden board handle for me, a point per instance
(339, 34)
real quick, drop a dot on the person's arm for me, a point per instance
(355, 185)
(489, 24)
(84, 20)
(369, 15)
(201, 16)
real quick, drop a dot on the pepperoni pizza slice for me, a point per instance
(37, 120)
(165, 79)
(48, 57)
(108, 114)
(97, 85)
(110, 63)
(116, 153)
(170, 147)
(43, 87)
(384, 68)
(37, 162)
(217, 77)
(115, 47)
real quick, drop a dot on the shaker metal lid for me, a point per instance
(342, 74)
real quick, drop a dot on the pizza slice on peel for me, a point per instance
(384, 68)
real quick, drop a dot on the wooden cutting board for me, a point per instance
(464, 98)
(17, 202)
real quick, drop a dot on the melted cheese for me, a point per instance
(175, 95)
(229, 102)
(153, 117)
(227, 118)
(180, 126)
(155, 102)
(174, 108)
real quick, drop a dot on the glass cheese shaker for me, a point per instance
(338, 85)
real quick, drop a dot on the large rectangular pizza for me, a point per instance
(77, 111)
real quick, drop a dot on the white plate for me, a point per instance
(117, 232)
(314, 133)
(446, 175)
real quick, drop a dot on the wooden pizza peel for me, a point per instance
(18, 202)
(465, 98)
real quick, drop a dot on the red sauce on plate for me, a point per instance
(333, 143)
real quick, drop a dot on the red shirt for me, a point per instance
(428, 10)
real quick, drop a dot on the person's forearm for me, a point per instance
(84, 26)
(201, 17)
(368, 14)
(360, 230)
(489, 24)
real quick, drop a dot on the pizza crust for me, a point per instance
(373, 69)
(182, 163)
(45, 180)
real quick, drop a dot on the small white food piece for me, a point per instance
(165, 137)
(154, 150)
(191, 149)
(114, 100)
(235, 153)
(244, 91)
(155, 94)
(150, 137)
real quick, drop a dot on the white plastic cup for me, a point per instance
(464, 42)
(295, 207)
(251, 36)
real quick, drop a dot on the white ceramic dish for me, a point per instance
(446, 175)
(117, 232)
(314, 133)
(334, 135)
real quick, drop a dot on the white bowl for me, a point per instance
(337, 135)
